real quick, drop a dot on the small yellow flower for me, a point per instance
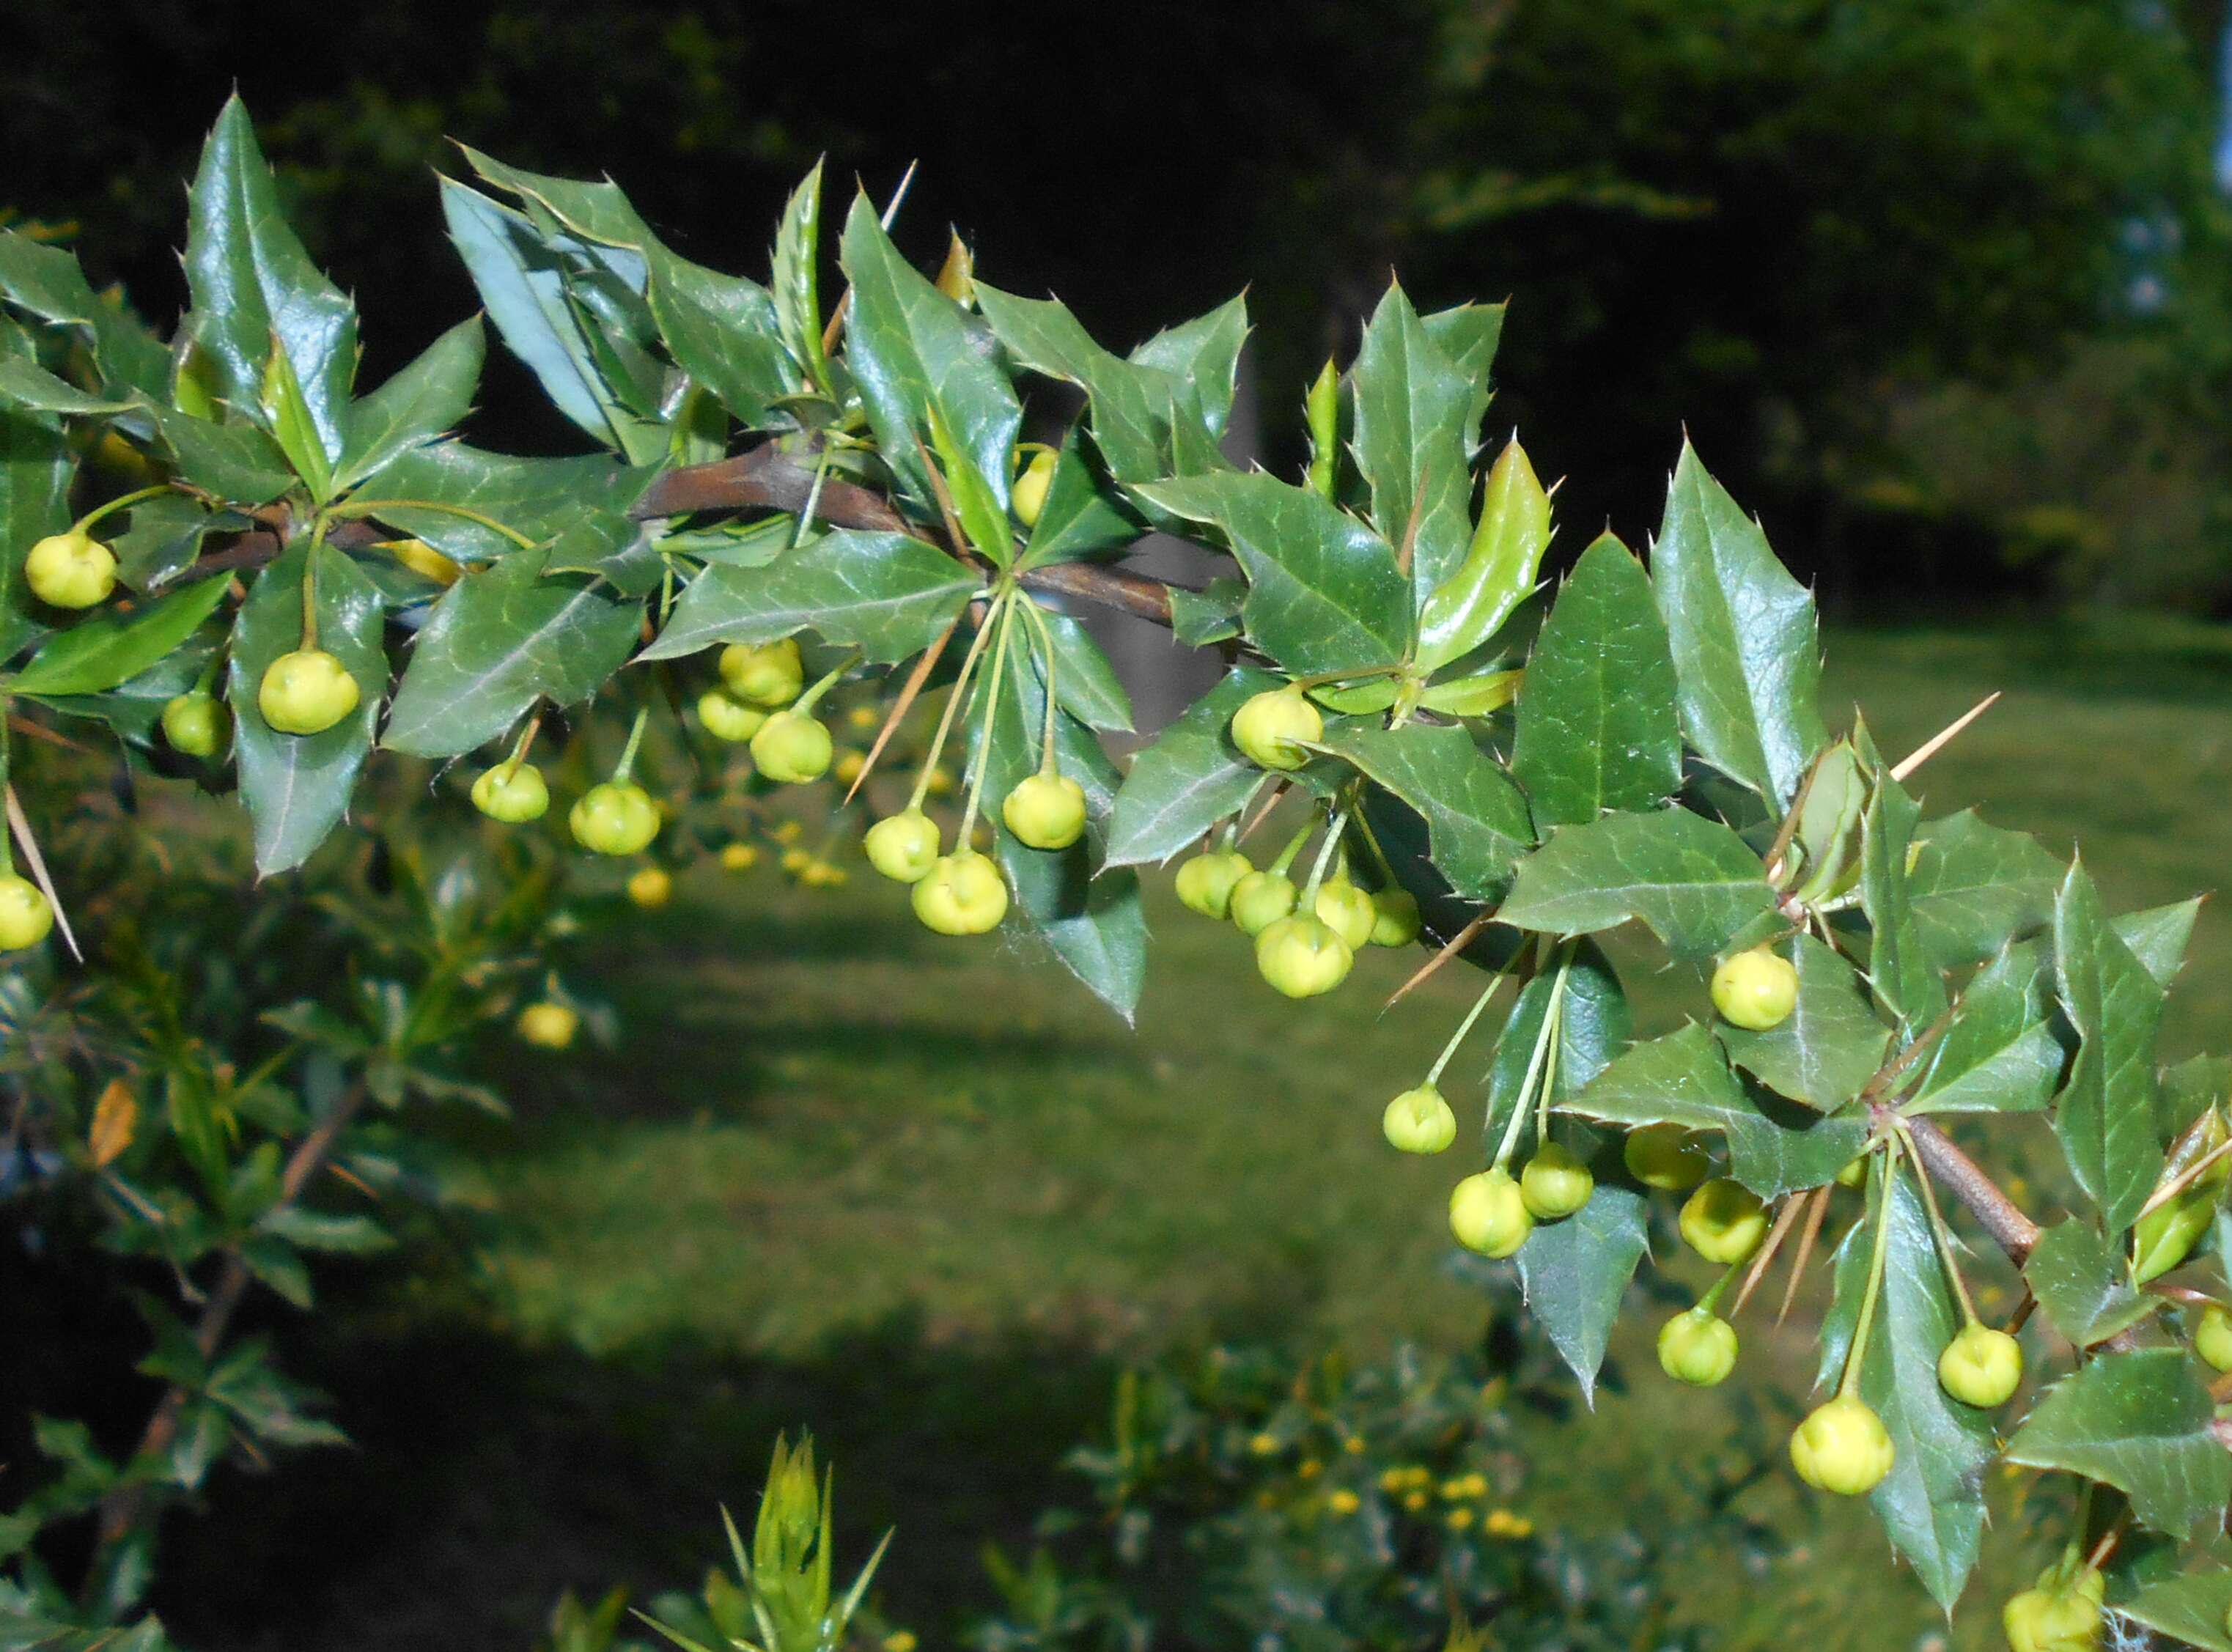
(1344, 1502)
(941, 782)
(863, 716)
(1417, 1477)
(797, 859)
(787, 831)
(848, 766)
(1264, 1445)
(1499, 1522)
(740, 857)
(1309, 1468)
(1393, 1480)
(1459, 1519)
(1453, 1490)
(1415, 1501)
(899, 1640)
(1353, 1445)
(1476, 1484)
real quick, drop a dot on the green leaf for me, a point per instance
(1597, 729)
(1095, 924)
(1974, 888)
(796, 280)
(1826, 1049)
(1905, 977)
(236, 462)
(525, 290)
(26, 385)
(2138, 1421)
(102, 651)
(34, 479)
(2157, 937)
(1500, 565)
(1412, 443)
(1190, 778)
(723, 330)
(1079, 517)
(2000, 1054)
(1683, 1079)
(537, 499)
(47, 282)
(1142, 415)
(982, 516)
(1698, 885)
(2105, 1117)
(2084, 1284)
(162, 537)
(1324, 595)
(1932, 1501)
(911, 351)
(254, 287)
(1575, 1273)
(1201, 618)
(1084, 682)
(2192, 1609)
(1745, 648)
(1468, 335)
(355, 1235)
(287, 416)
(298, 787)
(417, 405)
(1476, 817)
(498, 643)
(889, 594)
(1203, 356)
(1473, 696)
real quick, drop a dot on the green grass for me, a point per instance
(925, 1197)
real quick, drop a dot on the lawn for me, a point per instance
(926, 1197)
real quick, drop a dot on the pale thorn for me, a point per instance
(1937, 742)
(21, 828)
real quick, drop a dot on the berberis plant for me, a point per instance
(793, 500)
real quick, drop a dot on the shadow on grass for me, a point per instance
(486, 1477)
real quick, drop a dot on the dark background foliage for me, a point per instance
(1899, 266)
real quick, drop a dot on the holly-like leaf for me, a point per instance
(47, 282)
(2157, 937)
(795, 279)
(1597, 729)
(525, 287)
(497, 644)
(35, 478)
(888, 594)
(1683, 1079)
(2000, 1054)
(1080, 517)
(1468, 335)
(1324, 595)
(419, 404)
(1203, 356)
(536, 499)
(1411, 441)
(2138, 1421)
(1142, 415)
(1476, 817)
(1095, 924)
(254, 287)
(1575, 1273)
(2105, 1117)
(1900, 968)
(1696, 884)
(2194, 1609)
(237, 463)
(1084, 682)
(27, 385)
(1932, 1501)
(1745, 646)
(298, 787)
(913, 351)
(1200, 619)
(1500, 565)
(100, 652)
(1974, 887)
(1826, 1049)
(1190, 778)
(2084, 1284)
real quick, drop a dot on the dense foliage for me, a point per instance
(306, 594)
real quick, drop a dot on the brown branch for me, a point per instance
(121, 1509)
(1994, 1212)
(769, 478)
